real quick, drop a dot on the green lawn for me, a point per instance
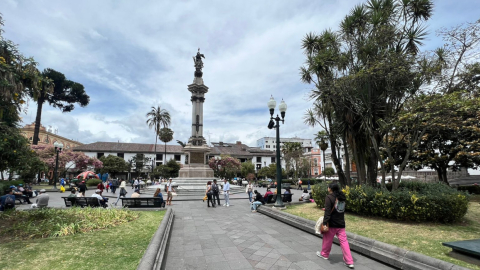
(425, 238)
(119, 247)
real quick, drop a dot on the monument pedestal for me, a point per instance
(196, 167)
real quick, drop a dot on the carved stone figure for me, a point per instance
(198, 64)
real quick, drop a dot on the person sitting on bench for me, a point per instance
(20, 195)
(42, 200)
(265, 197)
(101, 199)
(136, 194)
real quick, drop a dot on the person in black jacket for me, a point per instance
(336, 221)
(258, 200)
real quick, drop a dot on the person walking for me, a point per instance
(215, 191)
(100, 187)
(114, 185)
(123, 191)
(209, 194)
(136, 184)
(226, 192)
(249, 190)
(170, 189)
(335, 218)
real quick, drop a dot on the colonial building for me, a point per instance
(269, 143)
(315, 158)
(48, 137)
(259, 157)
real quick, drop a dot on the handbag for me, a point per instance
(318, 225)
(325, 228)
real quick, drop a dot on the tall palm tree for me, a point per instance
(157, 118)
(165, 135)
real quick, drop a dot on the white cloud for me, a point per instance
(134, 55)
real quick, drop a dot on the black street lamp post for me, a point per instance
(58, 149)
(283, 108)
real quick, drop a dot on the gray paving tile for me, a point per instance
(215, 258)
(194, 253)
(212, 251)
(236, 239)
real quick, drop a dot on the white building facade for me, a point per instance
(269, 143)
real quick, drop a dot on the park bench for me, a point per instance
(272, 198)
(81, 201)
(142, 202)
(19, 198)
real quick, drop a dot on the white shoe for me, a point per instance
(254, 211)
(224, 204)
(228, 205)
(351, 266)
(320, 255)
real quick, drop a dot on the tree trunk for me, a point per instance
(333, 144)
(1, 173)
(347, 160)
(38, 119)
(360, 162)
(165, 161)
(444, 175)
(372, 169)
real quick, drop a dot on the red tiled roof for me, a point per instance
(116, 147)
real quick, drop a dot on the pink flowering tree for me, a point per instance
(67, 159)
(225, 166)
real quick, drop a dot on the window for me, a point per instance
(159, 156)
(177, 157)
(259, 159)
(268, 146)
(315, 162)
(259, 166)
(266, 141)
(274, 146)
(99, 155)
(159, 163)
(122, 155)
(272, 160)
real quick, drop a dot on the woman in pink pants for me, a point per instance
(335, 217)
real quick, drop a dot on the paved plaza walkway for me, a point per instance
(234, 238)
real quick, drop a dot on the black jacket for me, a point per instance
(259, 198)
(335, 219)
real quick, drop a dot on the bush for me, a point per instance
(93, 182)
(4, 185)
(413, 202)
(51, 222)
(474, 189)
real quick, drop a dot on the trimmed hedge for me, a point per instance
(4, 185)
(425, 202)
(93, 182)
(474, 189)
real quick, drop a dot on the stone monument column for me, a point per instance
(197, 147)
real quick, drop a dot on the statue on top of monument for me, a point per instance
(198, 64)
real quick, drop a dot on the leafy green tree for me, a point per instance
(157, 118)
(365, 72)
(247, 168)
(113, 164)
(451, 139)
(174, 168)
(165, 135)
(59, 93)
(139, 163)
(328, 171)
(292, 154)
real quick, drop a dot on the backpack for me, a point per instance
(9, 202)
(215, 188)
(340, 206)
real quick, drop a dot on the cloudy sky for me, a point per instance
(132, 55)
